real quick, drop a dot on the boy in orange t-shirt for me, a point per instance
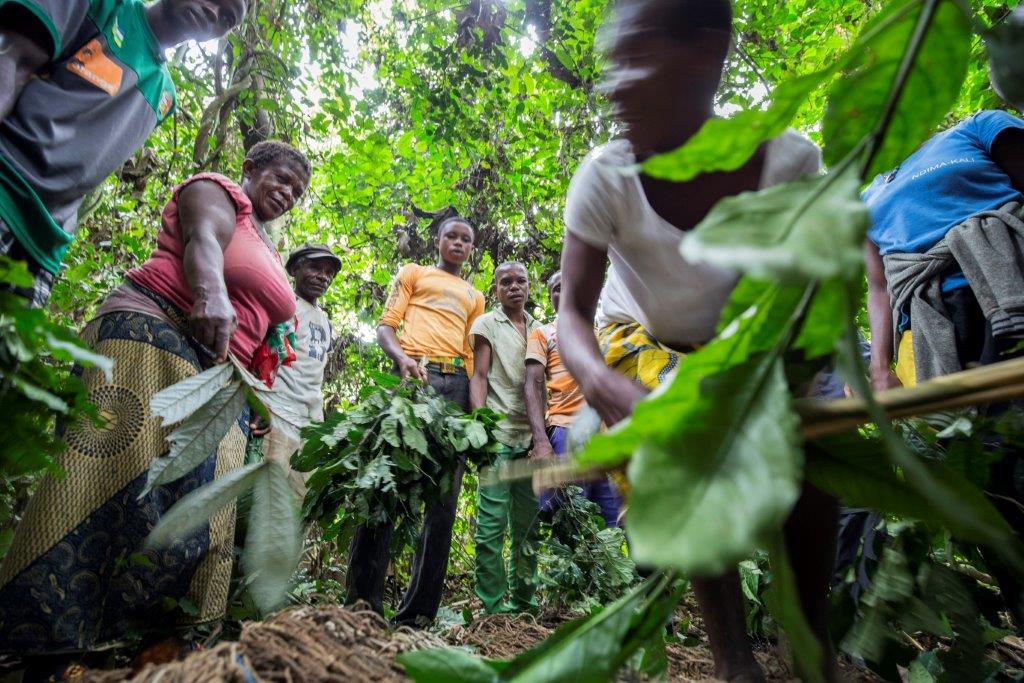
(435, 309)
(564, 400)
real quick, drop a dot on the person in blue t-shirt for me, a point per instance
(975, 166)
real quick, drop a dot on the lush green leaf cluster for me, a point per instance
(583, 564)
(913, 592)
(386, 457)
(34, 387)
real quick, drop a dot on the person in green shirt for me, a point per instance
(498, 382)
(82, 85)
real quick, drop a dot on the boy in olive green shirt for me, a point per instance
(499, 377)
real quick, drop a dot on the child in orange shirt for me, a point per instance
(434, 308)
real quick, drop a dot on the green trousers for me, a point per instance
(510, 506)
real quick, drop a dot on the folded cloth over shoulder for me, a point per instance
(989, 248)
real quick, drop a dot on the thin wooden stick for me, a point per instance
(814, 426)
(920, 399)
(995, 383)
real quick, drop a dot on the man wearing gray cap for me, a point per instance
(312, 267)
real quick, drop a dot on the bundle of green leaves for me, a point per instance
(384, 458)
(583, 564)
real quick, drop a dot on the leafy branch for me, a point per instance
(382, 460)
(204, 407)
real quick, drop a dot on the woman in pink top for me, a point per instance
(214, 285)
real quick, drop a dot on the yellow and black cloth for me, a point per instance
(76, 577)
(631, 350)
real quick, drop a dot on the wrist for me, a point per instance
(879, 366)
(206, 292)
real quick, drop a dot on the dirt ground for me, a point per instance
(310, 644)
(503, 636)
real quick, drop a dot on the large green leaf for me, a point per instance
(807, 229)
(195, 508)
(649, 622)
(765, 318)
(180, 400)
(71, 349)
(703, 500)
(592, 648)
(821, 327)
(15, 273)
(446, 666)
(37, 393)
(856, 100)
(285, 415)
(273, 544)
(197, 437)
(727, 144)
(583, 650)
(856, 471)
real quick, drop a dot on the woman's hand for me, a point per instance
(258, 426)
(613, 396)
(213, 321)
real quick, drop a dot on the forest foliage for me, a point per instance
(412, 110)
(409, 108)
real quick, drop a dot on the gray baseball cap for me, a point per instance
(312, 251)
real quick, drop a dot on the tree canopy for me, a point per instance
(414, 109)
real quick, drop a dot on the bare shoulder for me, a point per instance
(203, 193)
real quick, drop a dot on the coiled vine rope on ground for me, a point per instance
(298, 645)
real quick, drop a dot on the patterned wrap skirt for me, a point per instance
(630, 350)
(76, 577)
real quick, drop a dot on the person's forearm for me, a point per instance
(388, 341)
(880, 322)
(535, 403)
(203, 262)
(477, 391)
(879, 316)
(579, 349)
